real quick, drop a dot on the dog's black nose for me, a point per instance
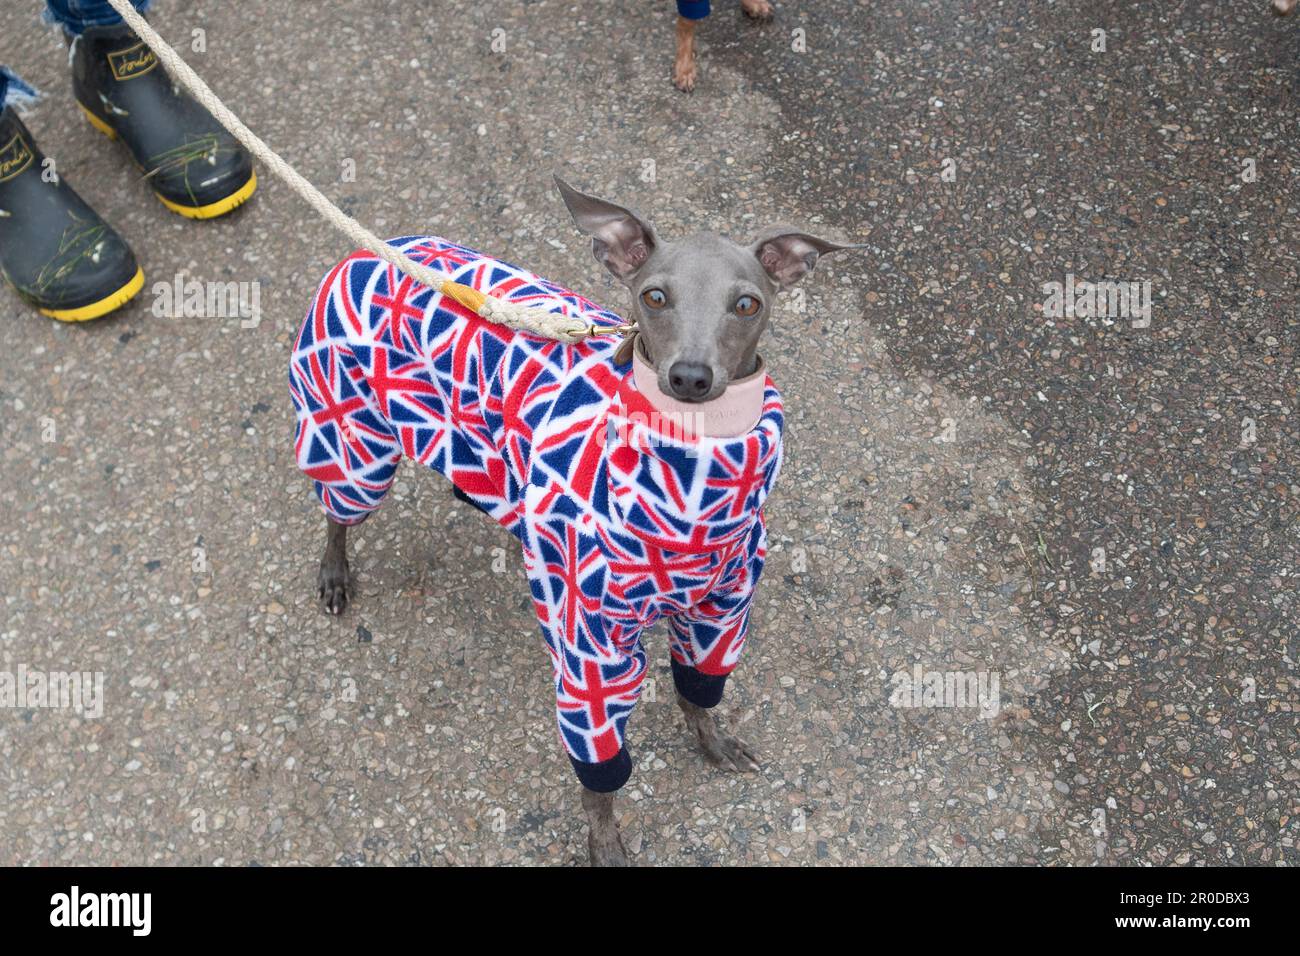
(690, 380)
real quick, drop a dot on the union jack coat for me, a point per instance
(622, 521)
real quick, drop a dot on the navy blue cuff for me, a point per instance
(702, 690)
(606, 776)
(693, 9)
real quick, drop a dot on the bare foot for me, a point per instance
(762, 10)
(684, 64)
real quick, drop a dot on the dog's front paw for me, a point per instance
(334, 584)
(605, 846)
(722, 749)
(729, 753)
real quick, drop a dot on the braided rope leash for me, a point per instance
(552, 325)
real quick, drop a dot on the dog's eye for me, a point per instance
(654, 298)
(746, 306)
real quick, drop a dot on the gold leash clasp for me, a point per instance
(623, 330)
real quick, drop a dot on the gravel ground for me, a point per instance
(1099, 514)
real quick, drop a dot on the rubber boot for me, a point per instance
(54, 249)
(192, 164)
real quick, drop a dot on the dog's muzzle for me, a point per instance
(730, 415)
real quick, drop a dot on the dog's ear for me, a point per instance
(787, 255)
(621, 240)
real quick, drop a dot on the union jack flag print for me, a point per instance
(622, 522)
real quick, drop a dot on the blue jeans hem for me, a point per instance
(14, 92)
(77, 16)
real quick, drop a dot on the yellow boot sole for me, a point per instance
(98, 123)
(104, 306)
(211, 210)
(218, 208)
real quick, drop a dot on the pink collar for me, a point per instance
(730, 415)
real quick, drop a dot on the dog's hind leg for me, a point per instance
(352, 460)
(334, 580)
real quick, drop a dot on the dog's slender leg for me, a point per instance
(334, 580)
(604, 843)
(721, 748)
(684, 64)
(757, 9)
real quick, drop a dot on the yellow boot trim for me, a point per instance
(218, 208)
(98, 123)
(104, 306)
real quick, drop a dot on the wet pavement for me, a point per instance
(1097, 511)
